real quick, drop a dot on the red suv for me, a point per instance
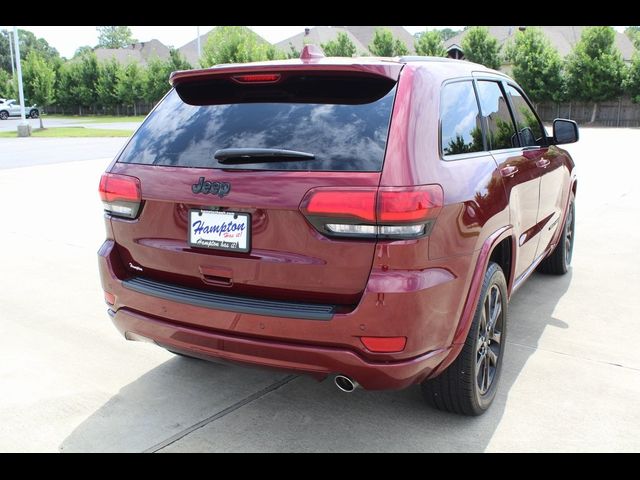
(365, 219)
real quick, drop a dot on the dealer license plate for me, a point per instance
(220, 230)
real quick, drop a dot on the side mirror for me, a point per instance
(527, 137)
(565, 131)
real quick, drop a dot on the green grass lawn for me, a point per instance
(67, 132)
(96, 118)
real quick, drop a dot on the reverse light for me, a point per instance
(385, 212)
(120, 194)
(384, 344)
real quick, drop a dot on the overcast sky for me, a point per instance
(67, 39)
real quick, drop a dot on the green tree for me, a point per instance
(430, 43)
(400, 48)
(537, 65)
(447, 33)
(480, 47)
(5, 51)
(634, 35)
(39, 79)
(107, 84)
(80, 51)
(293, 51)
(156, 81)
(632, 82)
(76, 82)
(385, 45)
(28, 42)
(114, 37)
(342, 46)
(130, 87)
(64, 82)
(595, 68)
(177, 60)
(229, 44)
(86, 78)
(7, 89)
(273, 53)
(156, 77)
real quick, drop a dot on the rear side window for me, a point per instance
(495, 110)
(529, 127)
(460, 127)
(342, 132)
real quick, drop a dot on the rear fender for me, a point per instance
(474, 293)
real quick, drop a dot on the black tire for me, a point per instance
(4, 115)
(34, 113)
(558, 261)
(462, 387)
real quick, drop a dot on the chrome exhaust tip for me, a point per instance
(345, 383)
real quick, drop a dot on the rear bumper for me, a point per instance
(318, 348)
(309, 359)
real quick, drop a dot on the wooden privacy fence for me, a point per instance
(621, 112)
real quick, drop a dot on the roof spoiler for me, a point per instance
(311, 60)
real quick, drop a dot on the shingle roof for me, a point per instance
(361, 36)
(140, 52)
(318, 36)
(563, 38)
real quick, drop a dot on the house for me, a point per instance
(140, 52)
(359, 35)
(366, 34)
(563, 38)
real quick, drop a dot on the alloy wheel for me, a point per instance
(489, 342)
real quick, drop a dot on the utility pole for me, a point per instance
(24, 129)
(198, 35)
(13, 73)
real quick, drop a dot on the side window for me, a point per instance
(500, 130)
(529, 128)
(461, 130)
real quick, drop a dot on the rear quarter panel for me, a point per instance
(475, 204)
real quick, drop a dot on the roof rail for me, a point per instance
(421, 58)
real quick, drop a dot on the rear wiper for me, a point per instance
(259, 155)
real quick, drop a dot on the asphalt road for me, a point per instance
(29, 152)
(69, 382)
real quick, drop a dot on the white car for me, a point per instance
(11, 108)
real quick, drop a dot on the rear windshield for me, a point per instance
(342, 133)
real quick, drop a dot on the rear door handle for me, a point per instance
(508, 171)
(543, 163)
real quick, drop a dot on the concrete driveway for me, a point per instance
(70, 383)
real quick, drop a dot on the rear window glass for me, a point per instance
(341, 134)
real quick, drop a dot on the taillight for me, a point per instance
(348, 203)
(120, 194)
(385, 212)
